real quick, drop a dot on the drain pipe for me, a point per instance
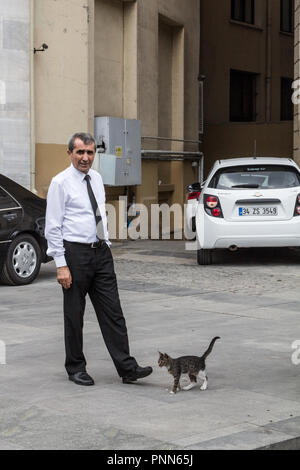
(176, 155)
(32, 102)
(167, 155)
(269, 61)
(201, 79)
(196, 158)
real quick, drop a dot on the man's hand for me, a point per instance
(64, 277)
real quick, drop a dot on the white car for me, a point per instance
(247, 202)
(194, 192)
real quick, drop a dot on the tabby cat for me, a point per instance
(191, 365)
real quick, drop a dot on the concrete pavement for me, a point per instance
(251, 299)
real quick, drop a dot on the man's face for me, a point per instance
(82, 156)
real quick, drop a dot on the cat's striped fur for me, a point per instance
(191, 365)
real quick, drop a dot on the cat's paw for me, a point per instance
(203, 387)
(186, 388)
(172, 393)
(189, 386)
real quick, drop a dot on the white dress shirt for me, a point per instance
(69, 214)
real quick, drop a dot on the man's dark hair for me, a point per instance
(84, 136)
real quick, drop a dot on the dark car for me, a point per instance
(22, 241)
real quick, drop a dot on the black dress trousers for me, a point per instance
(92, 271)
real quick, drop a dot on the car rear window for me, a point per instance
(256, 176)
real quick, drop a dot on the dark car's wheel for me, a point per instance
(23, 261)
(204, 257)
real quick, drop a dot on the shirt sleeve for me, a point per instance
(102, 209)
(54, 222)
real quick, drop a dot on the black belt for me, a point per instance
(97, 244)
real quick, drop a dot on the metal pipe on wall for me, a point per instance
(201, 79)
(32, 102)
(173, 140)
(170, 155)
(268, 113)
(157, 153)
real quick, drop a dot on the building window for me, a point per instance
(287, 16)
(287, 108)
(242, 96)
(243, 10)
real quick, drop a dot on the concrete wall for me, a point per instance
(148, 70)
(238, 140)
(168, 89)
(64, 77)
(226, 45)
(134, 59)
(116, 58)
(109, 60)
(15, 56)
(297, 77)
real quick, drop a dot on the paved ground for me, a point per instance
(251, 299)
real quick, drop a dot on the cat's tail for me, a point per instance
(210, 347)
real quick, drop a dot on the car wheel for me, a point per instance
(204, 257)
(23, 261)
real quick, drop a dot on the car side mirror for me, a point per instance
(195, 187)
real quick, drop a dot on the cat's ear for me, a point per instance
(163, 354)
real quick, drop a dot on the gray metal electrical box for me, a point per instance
(120, 164)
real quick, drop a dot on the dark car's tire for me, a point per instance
(23, 261)
(204, 257)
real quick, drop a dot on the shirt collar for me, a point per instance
(79, 174)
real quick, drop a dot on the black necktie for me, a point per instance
(98, 218)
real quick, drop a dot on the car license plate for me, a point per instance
(258, 211)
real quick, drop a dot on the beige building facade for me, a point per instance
(133, 59)
(15, 91)
(148, 60)
(247, 60)
(297, 77)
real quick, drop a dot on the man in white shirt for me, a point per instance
(76, 231)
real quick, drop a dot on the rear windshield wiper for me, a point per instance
(251, 186)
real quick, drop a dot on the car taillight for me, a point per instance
(194, 195)
(297, 208)
(212, 206)
(216, 212)
(212, 201)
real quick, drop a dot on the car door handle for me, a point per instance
(10, 216)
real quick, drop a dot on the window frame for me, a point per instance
(290, 27)
(242, 18)
(243, 117)
(286, 113)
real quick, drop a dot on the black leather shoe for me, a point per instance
(138, 373)
(81, 378)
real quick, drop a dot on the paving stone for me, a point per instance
(253, 398)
